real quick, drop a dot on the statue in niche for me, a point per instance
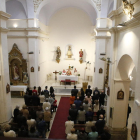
(7, 88)
(80, 56)
(58, 54)
(69, 53)
(25, 78)
(15, 72)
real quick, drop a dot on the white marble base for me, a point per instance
(69, 58)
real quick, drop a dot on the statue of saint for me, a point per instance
(69, 53)
(69, 72)
(25, 78)
(81, 53)
(15, 72)
(58, 54)
(63, 72)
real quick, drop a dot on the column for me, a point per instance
(32, 39)
(101, 45)
(5, 98)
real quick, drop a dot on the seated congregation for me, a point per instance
(33, 120)
(86, 120)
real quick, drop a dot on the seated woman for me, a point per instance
(33, 133)
(93, 135)
(8, 132)
(72, 135)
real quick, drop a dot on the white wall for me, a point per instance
(70, 26)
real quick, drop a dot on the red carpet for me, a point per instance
(58, 127)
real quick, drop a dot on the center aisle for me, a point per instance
(58, 127)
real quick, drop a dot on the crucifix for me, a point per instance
(55, 75)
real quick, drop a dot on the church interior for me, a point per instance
(67, 43)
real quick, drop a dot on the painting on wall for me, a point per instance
(32, 69)
(120, 95)
(100, 70)
(134, 131)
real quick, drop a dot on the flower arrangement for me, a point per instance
(60, 72)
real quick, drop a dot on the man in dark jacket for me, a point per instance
(41, 127)
(88, 91)
(73, 113)
(46, 92)
(101, 112)
(100, 124)
(96, 91)
(27, 99)
(16, 113)
(101, 98)
(78, 103)
(35, 100)
(74, 91)
(21, 120)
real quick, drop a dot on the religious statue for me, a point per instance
(81, 56)
(7, 88)
(15, 72)
(69, 53)
(25, 78)
(69, 72)
(58, 54)
(63, 72)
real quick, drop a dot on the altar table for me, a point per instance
(71, 77)
(20, 88)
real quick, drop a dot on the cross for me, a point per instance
(55, 75)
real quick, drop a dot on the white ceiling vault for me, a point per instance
(46, 8)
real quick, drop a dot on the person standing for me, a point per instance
(34, 91)
(46, 92)
(93, 135)
(128, 112)
(101, 98)
(72, 99)
(69, 125)
(88, 91)
(47, 117)
(74, 91)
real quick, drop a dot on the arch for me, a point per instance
(16, 9)
(49, 7)
(110, 6)
(124, 68)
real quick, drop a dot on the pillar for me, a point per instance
(5, 98)
(32, 39)
(101, 45)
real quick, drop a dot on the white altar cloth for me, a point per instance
(18, 88)
(71, 77)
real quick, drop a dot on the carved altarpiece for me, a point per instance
(16, 58)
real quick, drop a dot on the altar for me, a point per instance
(71, 77)
(20, 88)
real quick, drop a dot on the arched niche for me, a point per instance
(16, 9)
(124, 68)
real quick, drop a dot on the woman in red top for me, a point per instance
(72, 99)
(54, 105)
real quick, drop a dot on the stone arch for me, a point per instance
(50, 7)
(124, 68)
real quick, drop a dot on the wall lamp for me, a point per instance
(121, 25)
